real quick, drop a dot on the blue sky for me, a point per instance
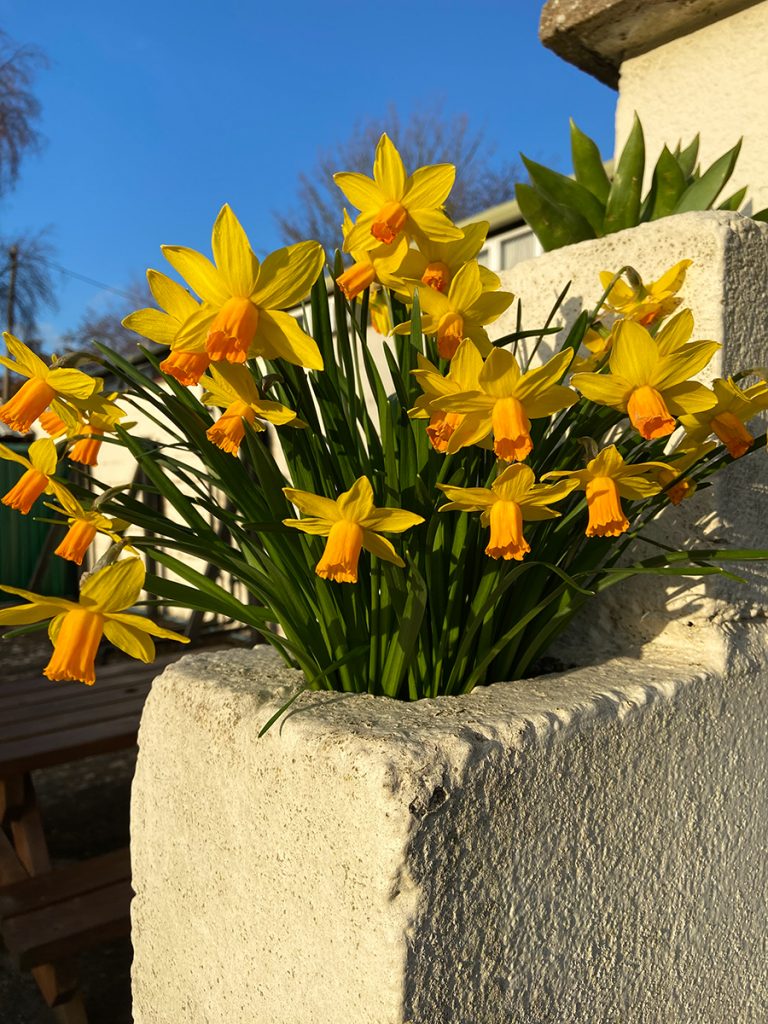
(154, 114)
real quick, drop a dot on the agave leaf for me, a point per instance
(668, 185)
(687, 157)
(702, 193)
(622, 209)
(554, 225)
(567, 192)
(588, 165)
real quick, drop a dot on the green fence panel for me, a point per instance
(23, 540)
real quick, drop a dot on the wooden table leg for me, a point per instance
(27, 854)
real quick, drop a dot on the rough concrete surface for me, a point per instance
(597, 35)
(585, 847)
(713, 81)
(727, 290)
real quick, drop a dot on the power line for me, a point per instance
(87, 280)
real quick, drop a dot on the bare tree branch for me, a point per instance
(19, 109)
(424, 138)
(102, 322)
(33, 287)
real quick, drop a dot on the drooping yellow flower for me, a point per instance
(646, 304)
(463, 376)
(232, 388)
(350, 523)
(733, 408)
(38, 479)
(513, 498)
(606, 480)
(84, 525)
(369, 265)
(461, 313)
(648, 383)
(393, 204)
(53, 425)
(242, 315)
(97, 416)
(163, 325)
(77, 627)
(381, 318)
(671, 476)
(506, 402)
(435, 264)
(45, 386)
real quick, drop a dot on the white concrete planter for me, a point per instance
(584, 847)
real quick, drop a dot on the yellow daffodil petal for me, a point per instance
(466, 287)
(310, 524)
(467, 499)
(357, 503)
(279, 336)
(634, 355)
(675, 333)
(388, 170)
(287, 275)
(514, 482)
(42, 455)
(360, 190)
(11, 456)
(688, 397)
(500, 374)
(390, 520)
(359, 236)
(490, 305)
(471, 430)
(232, 252)
(603, 388)
(678, 366)
(193, 333)
(546, 403)
(429, 187)
(142, 624)
(273, 412)
(132, 641)
(637, 487)
(199, 273)
(437, 226)
(72, 383)
(313, 504)
(170, 295)
(39, 608)
(29, 364)
(534, 382)
(115, 587)
(671, 280)
(464, 401)
(381, 548)
(153, 324)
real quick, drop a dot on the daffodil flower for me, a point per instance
(45, 386)
(461, 313)
(233, 388)
(369, 264)
(86, 422)
(513, 498)
(84, 525)
(462, 376)
(676, 485)
(649, 384)
(606, 480)
(646, 304)
(38, 479)
(163, 325)
(732, 409)
(77, 627)
(393, 204)
(506, 402)
(435, 264)
(350, 523)
(244, 301)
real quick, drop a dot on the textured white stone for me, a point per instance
(586, 847)
(727, 290)
(713, 81)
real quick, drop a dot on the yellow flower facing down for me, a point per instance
(506, 402)
(163, 325)
(244, 301)
(513, 498)
(45, 386)
(650, 384)
(88, 423)
(77, 627)
(84, 525)
(350, 523)
(394, 204)
(461, 313)
(606, 480)
(646, 304)
(38, 479)
(369, 266)
(733, 408)
(232, 388)
(671, 476)
(463, 376)
(435, 264)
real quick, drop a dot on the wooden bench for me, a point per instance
(48, 914)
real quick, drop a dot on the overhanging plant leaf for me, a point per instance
(622, 209)
(567, 192)
(701, 194)
(553, 224)
(588, 165)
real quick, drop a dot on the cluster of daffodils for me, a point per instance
(612, 426)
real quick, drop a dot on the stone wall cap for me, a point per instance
(597, 35)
